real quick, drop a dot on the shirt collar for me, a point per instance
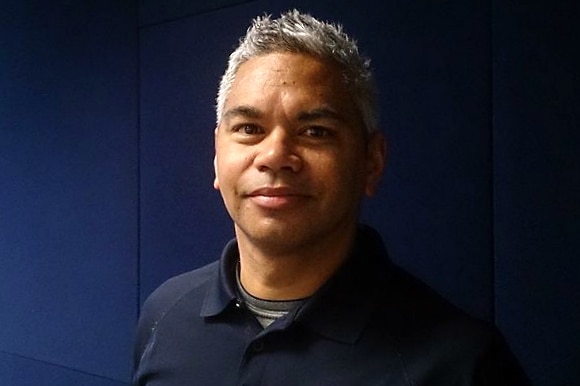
(222, 291)
(339, 310)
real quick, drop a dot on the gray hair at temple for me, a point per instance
(302, 33)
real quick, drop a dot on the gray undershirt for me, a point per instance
(266, 311)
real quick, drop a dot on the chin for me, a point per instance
(279, 236)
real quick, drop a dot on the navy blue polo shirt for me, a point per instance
(370, 324)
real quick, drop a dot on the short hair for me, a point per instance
(301, 33)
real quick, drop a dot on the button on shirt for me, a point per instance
(371, 324)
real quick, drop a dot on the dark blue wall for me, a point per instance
(537, 184)
(106, 147)
(68, 191)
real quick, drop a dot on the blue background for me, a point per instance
(106, 147)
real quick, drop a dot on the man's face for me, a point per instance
(292, 159)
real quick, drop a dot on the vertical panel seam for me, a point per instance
(492, 164)
(139, 158)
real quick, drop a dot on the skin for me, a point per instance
(292, 163)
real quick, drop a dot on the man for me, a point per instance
(305, 295)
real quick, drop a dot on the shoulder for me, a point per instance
(175, 287)
(418, 310)
(168, 294)
(167, 297)
(431, 333)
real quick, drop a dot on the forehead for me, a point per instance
(300, 77)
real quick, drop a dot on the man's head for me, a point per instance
(294, 153)
(301, 33)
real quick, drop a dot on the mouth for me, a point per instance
(276, 197)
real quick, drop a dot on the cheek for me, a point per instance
(229, 166)
(351, 176)
(334, 174)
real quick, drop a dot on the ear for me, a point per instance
(376, 161)
(216, 184)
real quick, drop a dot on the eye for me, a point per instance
(317, 132)
(247, 129)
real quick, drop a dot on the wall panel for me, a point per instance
(537, 184)
(68, 191)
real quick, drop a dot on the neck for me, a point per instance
(291, 273)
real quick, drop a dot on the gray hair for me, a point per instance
(302, 33)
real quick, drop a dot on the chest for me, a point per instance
(213, 353)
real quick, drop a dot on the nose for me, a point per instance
(277, 152)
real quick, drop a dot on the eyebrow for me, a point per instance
(243, 111)
(320, 113)
(246, 111)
